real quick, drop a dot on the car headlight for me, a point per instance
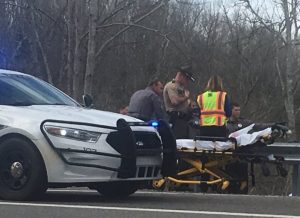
(75, 134)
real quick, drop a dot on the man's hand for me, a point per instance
(187, 93)
(194, 123)
(189, 103)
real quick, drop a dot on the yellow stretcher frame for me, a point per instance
(215, 163)
(212, 167)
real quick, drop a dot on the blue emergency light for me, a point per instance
(154, 123)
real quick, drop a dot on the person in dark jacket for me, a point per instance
(238, 169)
(236, 122)
(147, 104)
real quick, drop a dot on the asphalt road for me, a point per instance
(89, 204)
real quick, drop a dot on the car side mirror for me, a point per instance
(87, 101)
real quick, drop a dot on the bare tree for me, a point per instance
(71, 44)
(91, 48)
(79, 68)
(91, 53)
(286, 32)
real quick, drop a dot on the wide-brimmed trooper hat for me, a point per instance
(187, 70)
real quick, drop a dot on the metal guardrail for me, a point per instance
(289, 151)
(291, 154)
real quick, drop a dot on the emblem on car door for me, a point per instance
(140, 143)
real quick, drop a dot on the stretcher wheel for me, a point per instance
(221, 188)
(225, 185)
(159, 184)
(238, 187)
(238, 171)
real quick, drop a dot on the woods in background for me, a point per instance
(110, 48)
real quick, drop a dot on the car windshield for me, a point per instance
(23, 90)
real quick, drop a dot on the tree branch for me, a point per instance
(296, 85)
(261, 20)
(251, 91)
(43, 53)
(116, 12)
(161, 4)
(279, 73)
(166, 36)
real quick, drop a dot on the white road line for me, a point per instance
(148, 210)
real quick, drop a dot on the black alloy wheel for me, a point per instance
(15, 170)
(22, 171)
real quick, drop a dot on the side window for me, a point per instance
(22, 90)
(11, 95)
(5, 93)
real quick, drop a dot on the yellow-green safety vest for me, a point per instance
(212, 108)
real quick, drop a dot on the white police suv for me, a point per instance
(47, 139)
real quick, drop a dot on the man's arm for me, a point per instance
(158, 108)
(175, 98)
(227, 106)
(261, 126)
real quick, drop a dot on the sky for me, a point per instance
(266, 8)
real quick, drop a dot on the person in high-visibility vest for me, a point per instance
(215, 109)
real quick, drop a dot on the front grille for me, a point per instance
(146, 140)
(147, 171)
(146, 143)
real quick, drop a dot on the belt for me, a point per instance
(178, 114)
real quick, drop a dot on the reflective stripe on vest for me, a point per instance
(212, 108)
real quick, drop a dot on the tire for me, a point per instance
(116, 189)
(22, 171)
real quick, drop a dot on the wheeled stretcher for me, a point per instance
(223, 162)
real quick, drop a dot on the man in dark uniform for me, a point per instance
(147, 104)
(236, 122)
(240, 169)
(177, 101)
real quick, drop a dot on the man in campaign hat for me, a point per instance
(187, 70)
(177, 100)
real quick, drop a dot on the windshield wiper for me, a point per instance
(53, 104)
(59, 104)
(20, 103)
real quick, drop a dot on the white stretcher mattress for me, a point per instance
(242, 137)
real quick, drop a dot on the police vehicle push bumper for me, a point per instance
(134, 157)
